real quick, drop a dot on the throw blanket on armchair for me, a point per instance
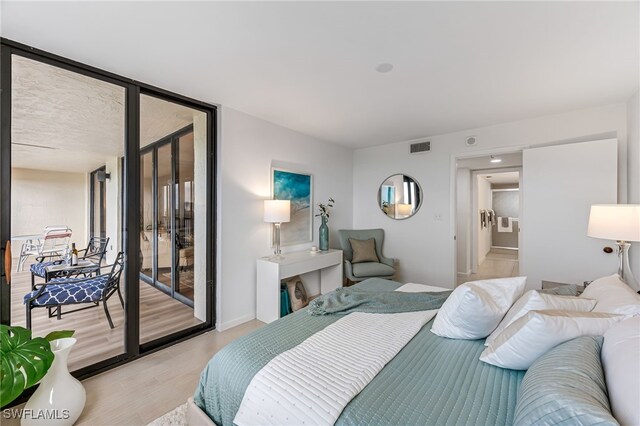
(349, 299)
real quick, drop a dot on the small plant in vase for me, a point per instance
(324, 213)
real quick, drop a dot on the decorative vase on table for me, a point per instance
(60, 397)
(324, 235)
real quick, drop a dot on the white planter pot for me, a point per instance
(60, 398)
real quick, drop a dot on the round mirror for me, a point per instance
(399, 196)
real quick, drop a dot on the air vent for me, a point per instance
(420, 147)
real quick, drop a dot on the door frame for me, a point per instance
(152, 149)
(133, 349)
(453, 191)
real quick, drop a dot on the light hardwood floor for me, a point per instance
(159, 315)
(143, 390)
(499, 263)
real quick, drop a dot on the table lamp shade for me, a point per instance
(277, 211)
(615, 222)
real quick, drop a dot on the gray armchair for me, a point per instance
(362, 271)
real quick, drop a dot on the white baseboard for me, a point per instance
(466, 274)
(505, 248)
(235, 322)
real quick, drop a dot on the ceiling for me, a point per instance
(64, 121)
(310, 66)
(501, 178)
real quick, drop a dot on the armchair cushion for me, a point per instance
(65, 292)
(372, 269)
(363, 250)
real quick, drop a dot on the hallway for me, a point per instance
(499, 263)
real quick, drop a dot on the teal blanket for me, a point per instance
(432, 380)
(345, 300)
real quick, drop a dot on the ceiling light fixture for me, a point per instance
(495, 160)
(383, 68)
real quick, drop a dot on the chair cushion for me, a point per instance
(364, 250)
(372, 269)
(65, 292)
(38, 269)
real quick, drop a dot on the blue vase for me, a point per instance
(324, 235)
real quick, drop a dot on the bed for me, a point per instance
(432, 380)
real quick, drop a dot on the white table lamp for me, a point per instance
(277, 212)
(620, 222)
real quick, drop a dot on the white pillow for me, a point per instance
(531, 336)
(613, 296)
(535, 301)
(475, 308)
(621, 361)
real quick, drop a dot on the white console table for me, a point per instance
(272, 270)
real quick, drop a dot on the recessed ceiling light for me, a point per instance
(495, 160)
(384, 67)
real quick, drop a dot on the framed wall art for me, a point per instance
(298, 188)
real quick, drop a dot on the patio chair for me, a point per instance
(54, 241)
(72, 291)
(95, 252)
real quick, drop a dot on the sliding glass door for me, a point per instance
(167, 241)
(62, 171)
(173, 189)
(87, 156)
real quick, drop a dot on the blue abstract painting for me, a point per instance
(297, 187)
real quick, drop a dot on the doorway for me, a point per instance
(488, 217)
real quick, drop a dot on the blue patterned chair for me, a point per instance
(95, 251)
(72, 291)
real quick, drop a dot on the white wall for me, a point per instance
(483, 188)
(633, 152)
(248, 148)
(463, 215)
(424, 244)
(40, 198)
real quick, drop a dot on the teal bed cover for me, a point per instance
(432, 380)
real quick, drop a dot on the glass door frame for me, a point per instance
(130, 197)
(152, 149)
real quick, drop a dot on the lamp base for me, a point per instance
(276, 249)
(624, 270)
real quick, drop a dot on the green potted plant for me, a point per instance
(25, 359)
